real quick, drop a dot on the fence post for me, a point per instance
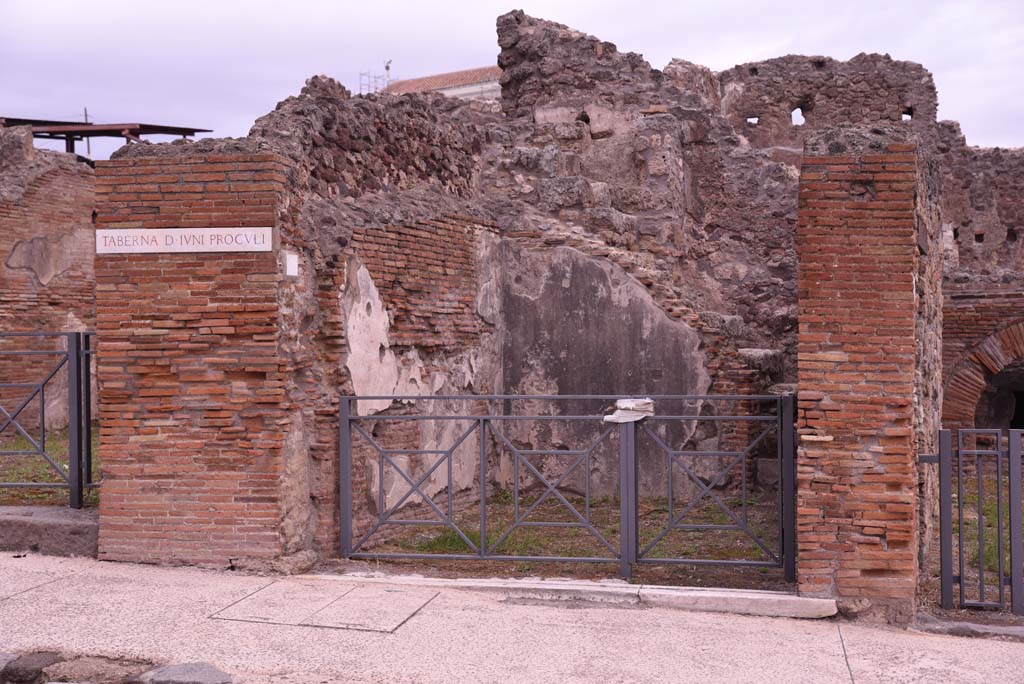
(345, 474)
(86, 370)
(627, 499)
(1016, 534)
(482, 446)
(787, 477)
(74, 358)
(946, 517)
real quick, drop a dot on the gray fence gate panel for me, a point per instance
(779, 423)
(75, 360)
(961, 464)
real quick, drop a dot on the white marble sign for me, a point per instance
(154, 240)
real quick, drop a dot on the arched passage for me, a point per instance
(988, 383)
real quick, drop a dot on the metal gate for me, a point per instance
(980, 521)
(403, 469)
(32, 366)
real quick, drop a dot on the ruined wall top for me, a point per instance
(851, 139)
(542, 60)
(759, 98)
(564, 89)
(345, 146)
(21, 163)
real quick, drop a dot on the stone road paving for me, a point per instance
(165, 615)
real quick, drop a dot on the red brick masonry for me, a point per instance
(856, 360)
(191, 381)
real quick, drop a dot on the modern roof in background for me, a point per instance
(70, 131)
(452, 79)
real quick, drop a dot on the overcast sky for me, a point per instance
(221, 63)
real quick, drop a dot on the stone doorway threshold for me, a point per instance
(735, 601)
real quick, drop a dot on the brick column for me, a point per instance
(857, 474)
(191, 382)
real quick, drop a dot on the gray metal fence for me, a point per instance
(980, 519)
(33, 365)
(381, 480)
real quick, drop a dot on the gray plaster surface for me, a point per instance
(164, 615)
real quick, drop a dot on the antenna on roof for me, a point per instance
(370, 82)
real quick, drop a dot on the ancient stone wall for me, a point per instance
(193, 410)
(630, 165)
(613, 228)
(867, 305)
(46, 270)
(759, 98)
(983, 216)
(46, 202)
(981, 189)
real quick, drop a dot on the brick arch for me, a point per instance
(971, 373)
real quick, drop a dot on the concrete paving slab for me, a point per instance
(373, 608)
(890, 656)
(531, 588)
(285, 602)
(163, 615)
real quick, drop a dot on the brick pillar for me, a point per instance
(857, 475)
(192, 411)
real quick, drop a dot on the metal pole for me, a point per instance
(787, 442)
(87, 408)
(1016, 534)
(482, 430)
(345, 474)
(74, 356)
(627, 499)
(946, 516)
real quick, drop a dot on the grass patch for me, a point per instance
(989, 552)
(34, 468)
(579, 542)
(448, 541)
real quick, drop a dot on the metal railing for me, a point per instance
(487, 430)
(974, 554)
(30, 400)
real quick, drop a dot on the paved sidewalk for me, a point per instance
(167, 615)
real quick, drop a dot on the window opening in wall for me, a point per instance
(908, 114)
(979, 238)
(956, 234)
(753, 120)
(753, 71)
(1011, 234)
(797, 116)
(1017, 422)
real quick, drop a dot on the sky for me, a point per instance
(220, 64)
